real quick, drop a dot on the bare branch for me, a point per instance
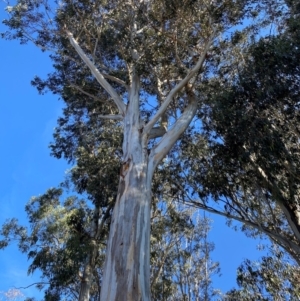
(95, 48)
(86, 93)
(100, 78)
(36, 283)
(270, 233)
(113, 117)
(176, 54)
(117, 80)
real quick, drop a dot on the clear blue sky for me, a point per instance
(26, 168)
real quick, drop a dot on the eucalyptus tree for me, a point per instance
(182, 267)
(274, 277)
(67, 234)
(66, 244)
(60, 245)
(147, 59)
(247, 158)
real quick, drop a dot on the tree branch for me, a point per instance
(291, 216)
(86, 93)
(101, 223)
(178, 87)
(115, 79)
(172, 135)
(36, 283)
(113, 117)
(160, 266)
(273, 235)
(100, 78)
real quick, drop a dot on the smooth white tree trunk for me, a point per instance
(86, 281)
(127, 265)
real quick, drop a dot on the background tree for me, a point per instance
(62, 244)
(67, 235)
(274, 277)
(11, 295)
(247, 160)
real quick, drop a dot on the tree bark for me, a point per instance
(292, 215)
(127, 263)
(86, 281)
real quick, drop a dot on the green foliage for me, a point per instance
(248, 157)
(247, 124)
(273, 278)
(57, 243)
(60, 239)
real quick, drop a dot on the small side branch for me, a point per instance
(86, 93)
(100, 78)
(36, 283)
(112, 117)
(115, 79)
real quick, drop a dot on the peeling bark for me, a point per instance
(127, 263)
(127, 268)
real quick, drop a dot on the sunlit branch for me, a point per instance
(100, 78)
(171, 136)
(112, 117)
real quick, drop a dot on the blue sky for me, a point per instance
(27, 169)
